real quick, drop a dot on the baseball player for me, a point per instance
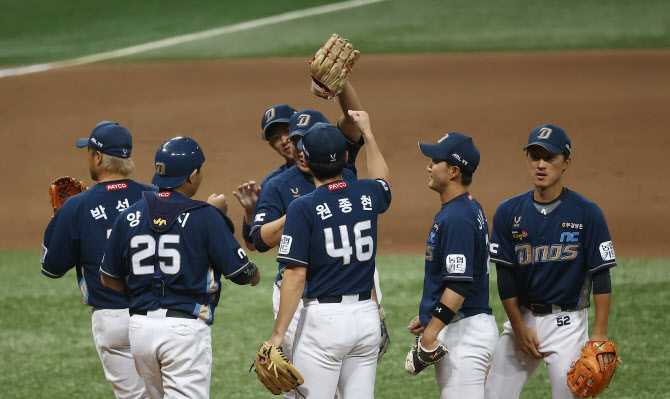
(169, 252)
(76, 236)
(328, 247)
(551, 247)
(275, 125)
(454, 308)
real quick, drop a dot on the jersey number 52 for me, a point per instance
(364, 244)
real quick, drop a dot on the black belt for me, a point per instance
(544, 308)
(170, 313)
(363, 296)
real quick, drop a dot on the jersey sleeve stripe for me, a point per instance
(291, 260)
(457, 277)
(52, 275)
(610, 264)
(109, 274)
(496, 260)
(237, 271)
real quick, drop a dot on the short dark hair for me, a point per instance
(322, 171)
(275, 128)
(466, 178)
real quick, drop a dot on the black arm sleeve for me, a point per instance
(506, 285)
(246, 231)
(460, 287)
(602, 282)
(260, 245)
(247, 275)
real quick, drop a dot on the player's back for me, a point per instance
(342, 218)
(190, 241)
(77, 234)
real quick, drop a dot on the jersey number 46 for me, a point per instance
(364, 244)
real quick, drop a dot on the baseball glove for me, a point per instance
(331, 66)
(386, 340)
(63, 188)
(418, 358)
(275, 371)
(585, 378)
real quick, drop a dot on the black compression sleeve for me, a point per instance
(260, 245)
(460, 287)
(602, 282)
(506, 285)
(247, 275)
(246, 231)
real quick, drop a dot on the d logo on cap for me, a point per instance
(303, 120)
(160, 168)
(545, 132)
(269, 114)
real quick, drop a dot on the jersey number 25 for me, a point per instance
(364, 244)
(150, 250)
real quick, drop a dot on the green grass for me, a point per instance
(47, 347)
(42, 30)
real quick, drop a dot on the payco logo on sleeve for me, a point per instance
(285, 245)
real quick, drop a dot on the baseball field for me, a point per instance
(489, 69)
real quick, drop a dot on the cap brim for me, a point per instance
(265, 129)
(167, 182)
(81, 143)
(299, 145)
(549, 147)
(300, 132)
(431, 150)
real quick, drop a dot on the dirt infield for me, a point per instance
(614, 105)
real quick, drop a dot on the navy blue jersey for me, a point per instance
(552, 256)
(188, 244)
(77, 234)
(274, 174)
(333, 232)
(275, 198)
(457, 250)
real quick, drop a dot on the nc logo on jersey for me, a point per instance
(545, 132)
(570, 236)
(259, 217)
(269, 115)
(285, 244)
(303, 120)
(456, 264)
(606, 250)
(160, 222)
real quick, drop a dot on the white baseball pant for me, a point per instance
(173, 355)
(336, 348)
(110, 334)
(471, 343)
(561, 336)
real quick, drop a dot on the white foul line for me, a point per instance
(186, 38)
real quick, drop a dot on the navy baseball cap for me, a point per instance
(551, 137)
(109, 138)
(456, 148)
(176, 159)
(303, 121)
(276, 113)
(324, 143)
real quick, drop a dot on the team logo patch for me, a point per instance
(436, 227)
(303, 120)
(259, 217)
(43, 255)
(456, 264)
(117, 186)
(160, 168)
(295, 192)
(285, 244)
(160, 222)
(493, 248)
(165, 194)
(517, 220)
(337, 185)
(545, 132)
(241, 253)
(606, 250)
